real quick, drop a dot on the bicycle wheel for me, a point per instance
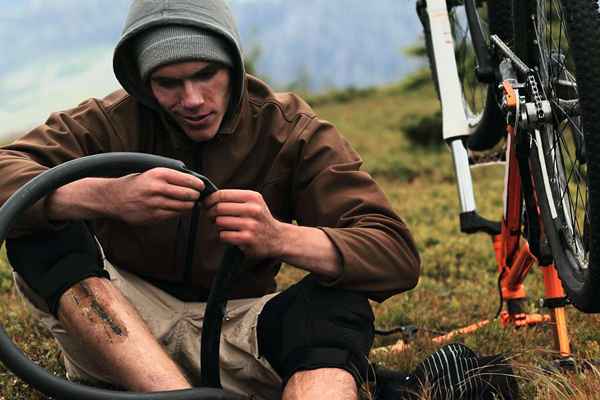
(561, 39)
(486, 120)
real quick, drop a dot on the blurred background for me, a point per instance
(56, 54)
(361, 65)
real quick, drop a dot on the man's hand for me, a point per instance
(243, 219)
(155, 195)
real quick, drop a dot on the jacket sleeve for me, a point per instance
(377, 250)
(67, 135)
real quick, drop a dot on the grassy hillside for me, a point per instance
(458, 284)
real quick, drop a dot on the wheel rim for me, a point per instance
(100, 165)
(474, 92)
(565, 150)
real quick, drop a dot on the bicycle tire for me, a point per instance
(487, 125)
(102, 165)
(565, 163)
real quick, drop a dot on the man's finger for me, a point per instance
(180, 193)
(230, 196)
(182, 179)
(166, 204)
(236, 238)
(233, 223)
(231, 209)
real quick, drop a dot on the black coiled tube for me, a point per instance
(101, 165)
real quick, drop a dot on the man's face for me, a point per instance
(196, 94)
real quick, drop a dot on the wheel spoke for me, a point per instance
(474, 92)
(565, 136)
(576, 201)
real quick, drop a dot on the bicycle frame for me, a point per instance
(485, 71)
(455, 125)
(513, 256)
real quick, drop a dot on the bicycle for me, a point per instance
(521, 73)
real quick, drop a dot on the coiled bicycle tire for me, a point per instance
(565, 51)
(100, 165)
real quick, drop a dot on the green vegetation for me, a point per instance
(424, 130)
(458, 284)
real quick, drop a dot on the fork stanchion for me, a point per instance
(555, 300)
(514, 296)
(513, 293)
(561, 334)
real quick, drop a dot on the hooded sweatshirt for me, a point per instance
(271, 143)
(212, 15)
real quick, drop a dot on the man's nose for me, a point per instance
(192, 96)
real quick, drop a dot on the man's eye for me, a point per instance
(167, 83)
(206, 74)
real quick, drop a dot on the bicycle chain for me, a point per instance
(539, 110)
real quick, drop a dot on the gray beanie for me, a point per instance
(177, 43)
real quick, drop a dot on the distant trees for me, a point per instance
(251, 59)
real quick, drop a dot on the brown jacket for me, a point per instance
(275, 145)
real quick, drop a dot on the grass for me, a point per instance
(458, 283)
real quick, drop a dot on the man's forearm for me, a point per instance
(82, 199)
(310, 249)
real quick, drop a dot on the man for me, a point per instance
(134, 318)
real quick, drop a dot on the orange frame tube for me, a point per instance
(553, 289)
(514, 259)
(511, 224)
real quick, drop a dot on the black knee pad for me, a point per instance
(312, 326)
(50, 262)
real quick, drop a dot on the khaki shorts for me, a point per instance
(177, 325)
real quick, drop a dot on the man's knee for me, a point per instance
(311, 326)
(51, 262)
(329, 383)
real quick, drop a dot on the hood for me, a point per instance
(213, 15)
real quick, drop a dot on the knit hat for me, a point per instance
(209, 17)
(177, 43)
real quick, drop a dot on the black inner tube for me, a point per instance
(115, 165)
